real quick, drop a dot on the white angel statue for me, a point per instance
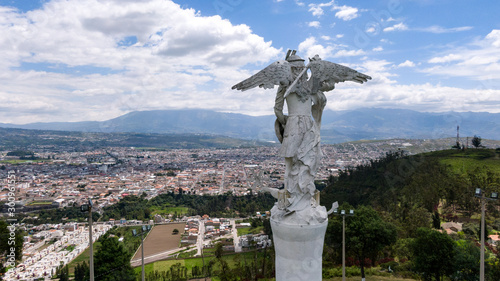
(299, 132)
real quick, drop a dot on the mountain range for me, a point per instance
(337, 126)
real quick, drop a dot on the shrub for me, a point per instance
(391, 264)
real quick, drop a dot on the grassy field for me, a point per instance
(470, 159)
(170, 210)
(84, 256)
(190, 263)
(38, 203)
(250, 230)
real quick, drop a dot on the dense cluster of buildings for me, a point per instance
(107, 175)
(208, 228)
(48, 250)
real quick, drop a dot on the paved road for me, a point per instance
(236, 238)
(201, 237)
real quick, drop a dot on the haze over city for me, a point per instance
(96, 60)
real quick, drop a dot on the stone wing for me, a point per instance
(326, 74)
(277, 73)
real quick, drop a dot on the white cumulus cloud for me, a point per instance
(318, 9)
(406, 63)
(94, 60)
(343, 12)
(447, 58)
(478, 60)
(315, 24)
(311, 47)
(346, 13)
(397, 27)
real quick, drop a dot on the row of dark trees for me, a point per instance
(371, 239)
(225, 205)
(139, 208)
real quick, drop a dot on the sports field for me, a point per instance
(161, 239)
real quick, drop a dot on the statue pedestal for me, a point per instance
(299, 250)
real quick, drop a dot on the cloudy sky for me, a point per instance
(75, 60)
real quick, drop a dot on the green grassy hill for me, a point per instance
(469, 160)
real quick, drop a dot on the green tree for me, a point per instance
(112, 261)
(64, 273)
(466, 262)
(415, 218)
(366, 234)
(402, 249)
(492, 270)
(7, 241)
(218, 250)
(476, 141)
(369, 234)
(225, 273)
(436, 221)
(267, 228)
(433, 254)
(82, 272)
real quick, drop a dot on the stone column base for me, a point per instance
(299, 250)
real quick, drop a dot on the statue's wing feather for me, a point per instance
(328, 73)
(277, 73)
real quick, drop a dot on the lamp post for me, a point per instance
(343, 214)
(144, 230)
(88, 208)
(494, 196)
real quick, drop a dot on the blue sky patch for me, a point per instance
(80, 70)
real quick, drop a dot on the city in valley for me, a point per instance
(58, 177)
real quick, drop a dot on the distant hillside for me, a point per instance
(377, 123)
(11, 138)
(171, 122)
(337, 126)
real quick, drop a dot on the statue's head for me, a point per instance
(295, 61)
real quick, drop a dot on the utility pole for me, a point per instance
(88, 208)
(343, 214)
(145, 229)
(91, 258)
(481, 266)
(494, 196)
